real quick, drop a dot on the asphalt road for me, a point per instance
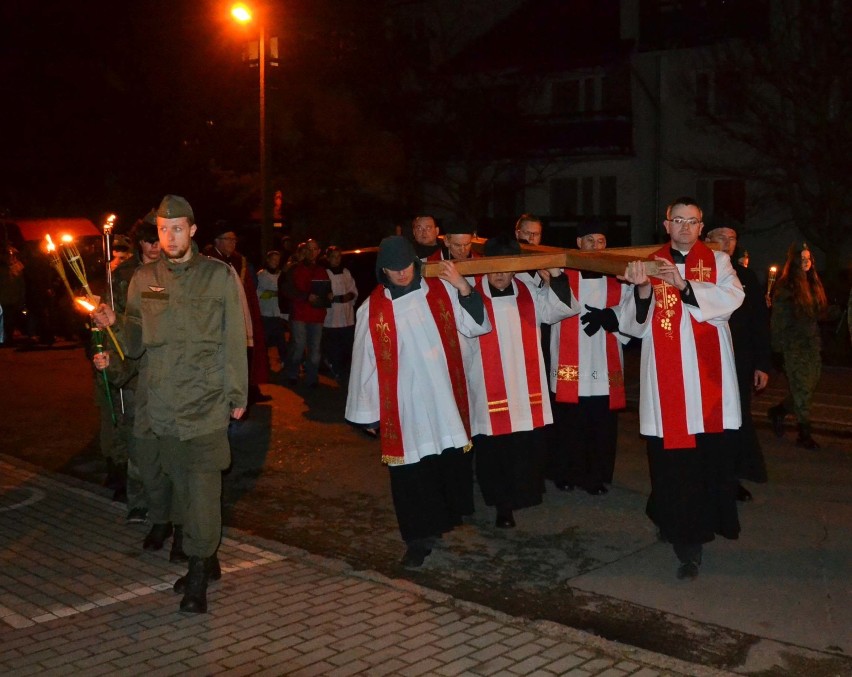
(775, 602)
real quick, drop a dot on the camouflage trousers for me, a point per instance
(803, 370)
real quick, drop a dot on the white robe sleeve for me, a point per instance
(362, 400)
(548, 306)
(465, 324)
(627, 322)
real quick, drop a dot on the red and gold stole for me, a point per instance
(568, 369)
(492, 363)
(386, 347)
(668, 311)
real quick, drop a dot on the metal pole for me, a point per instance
(265, 225)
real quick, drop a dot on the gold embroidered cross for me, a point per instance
(703, 273)
(383, 328)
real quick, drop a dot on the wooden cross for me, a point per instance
(536, 257)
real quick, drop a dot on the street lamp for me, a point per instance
(243, 14)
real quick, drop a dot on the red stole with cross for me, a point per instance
(568, 369)
(492, 363)
(668, 311)
(386, 347)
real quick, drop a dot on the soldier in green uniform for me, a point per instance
(184, 321)
(797, 303)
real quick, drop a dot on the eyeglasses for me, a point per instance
(679, 221)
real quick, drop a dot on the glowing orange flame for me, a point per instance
(83, 302)
(67, 238)
(241, 13)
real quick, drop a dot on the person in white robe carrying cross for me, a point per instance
(689, 400)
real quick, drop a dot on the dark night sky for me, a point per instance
(102, 99)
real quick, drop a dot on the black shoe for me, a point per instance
(687, 571)
(743, 494)
(177, 554)
(137, 516)
(776, 416)
(214, 574)
(263, 398)
(195, 590)
(598, 490)
(120, 495)
(157, 536)
(505, 519)
(414, 556)
(563, 486)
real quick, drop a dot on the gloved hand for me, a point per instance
(597, 318)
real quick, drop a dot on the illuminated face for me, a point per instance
(591, 241)
(425, 231)
(334, 258)
(726, 237)
(150, 251)
(529, 232)
(401, 278)
(312, 250)
(227, 243)
(175, 238)
(458, 245)
(273, 261)
(684, 226)
(500, 280)
(807, 261)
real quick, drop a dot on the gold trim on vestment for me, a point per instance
(568, 372)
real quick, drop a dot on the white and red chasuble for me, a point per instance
(507, 382)
(688, 382)
(423, 398)
(583, 365)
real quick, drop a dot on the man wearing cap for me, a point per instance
(587, 376)
(507, 383)
(407, 374)
(688, 399)
(184, 320)
(459, 241)
(224, 248)
(426, 242)
(752, 354)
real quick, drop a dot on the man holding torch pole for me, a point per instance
(184, 321)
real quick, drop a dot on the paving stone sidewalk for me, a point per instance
(79, 596)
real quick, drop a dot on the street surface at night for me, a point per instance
(308, 510)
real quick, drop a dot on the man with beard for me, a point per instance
(184, 321)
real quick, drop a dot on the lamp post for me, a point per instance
(243, 15)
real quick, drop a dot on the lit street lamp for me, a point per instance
(243, 14)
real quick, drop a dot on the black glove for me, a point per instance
(597, 318)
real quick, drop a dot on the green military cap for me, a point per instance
(151, 217)
(174, 207)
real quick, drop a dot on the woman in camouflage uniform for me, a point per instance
(798, 301)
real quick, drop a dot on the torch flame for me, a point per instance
(67, 238)
(773, 269)
(50, 246)
(83, 302)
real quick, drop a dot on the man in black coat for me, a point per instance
(750, 332)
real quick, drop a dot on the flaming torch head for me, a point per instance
(50, 246)
(89, 307)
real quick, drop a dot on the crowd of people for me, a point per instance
(500, 380)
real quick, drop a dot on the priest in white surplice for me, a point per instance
(407, 375)
(688, 399)
(587, 376)
(507, 383)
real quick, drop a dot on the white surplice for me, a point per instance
(716, 302)
(548, 309)
(428, 415)
(593, 372)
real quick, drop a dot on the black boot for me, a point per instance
(120, 483)
(157, 536)
(805, 440)
(214, 574)
(776, 416)
(177, 554)
(195, 592)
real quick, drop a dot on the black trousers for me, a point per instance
(693, 491)
(750, 462)
(510, 468)
(431, 496)
(585, 442)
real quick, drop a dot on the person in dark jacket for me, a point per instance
(750, 333)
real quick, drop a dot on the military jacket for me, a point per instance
(185, 322)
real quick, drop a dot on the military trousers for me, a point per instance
(147, 458)
(803, 370)
(195, 468)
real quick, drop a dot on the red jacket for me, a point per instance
(302, 276)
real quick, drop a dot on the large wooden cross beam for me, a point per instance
(536, 257)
